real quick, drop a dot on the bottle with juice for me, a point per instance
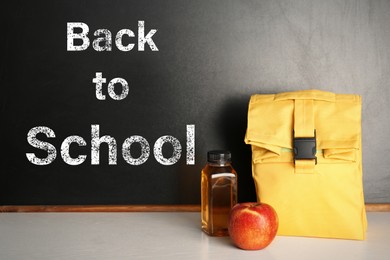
(218, 192)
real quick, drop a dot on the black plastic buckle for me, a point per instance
(305, 148)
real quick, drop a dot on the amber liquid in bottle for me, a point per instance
(218, 196)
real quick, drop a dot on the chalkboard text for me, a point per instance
(99, 80)
(103, 42)
(97, 140)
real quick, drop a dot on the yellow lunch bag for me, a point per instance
(307, 161)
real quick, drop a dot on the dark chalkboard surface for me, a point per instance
(185, 93)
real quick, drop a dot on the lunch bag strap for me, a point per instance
(304, 136)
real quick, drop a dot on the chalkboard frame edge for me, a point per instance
(370, 207)
(100, 208)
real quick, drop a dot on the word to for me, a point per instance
(99, 80)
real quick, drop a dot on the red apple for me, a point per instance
(252, 225)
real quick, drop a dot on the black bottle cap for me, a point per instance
(219, 156)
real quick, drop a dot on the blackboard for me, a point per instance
(177, 76)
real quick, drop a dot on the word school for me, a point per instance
(96, 141)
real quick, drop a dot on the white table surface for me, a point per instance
(165, 235)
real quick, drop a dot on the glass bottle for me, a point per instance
(218, 192)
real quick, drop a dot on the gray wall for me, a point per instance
(340, 46)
